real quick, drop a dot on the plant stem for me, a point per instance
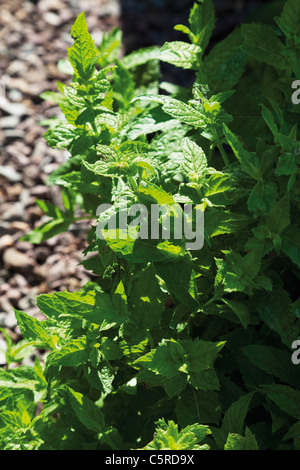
(90, 217)
(210, 301)
(133, 183)
(151, 342)
(224, 154)
(210, 155)
(219, 146)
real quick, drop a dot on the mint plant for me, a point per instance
(171, 348)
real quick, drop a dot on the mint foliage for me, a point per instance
(169, 347)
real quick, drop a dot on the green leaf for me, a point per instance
(47, 230)
(123, 85)
(195, 159)
(262, 43)
(177, 109)
(274, 311)
(71, 354)
(289, 19)
(136, 250)
(274, 361)
(278, 217)
(110, 47)
(155, 120)
(204, 405)
(262, 197)
(240, 310)
(181, 284)
(60, 223)
(294, 431)
(94, 307)
(290, 243)
(146, 300)
(174, 363)
(248, 160)
(180, 54)
(239, 273)
(234, 418)
(79, 27)
(285, 397)
(86, 411)
(110, 351)
(238, 442)
(219, 221)
(83, 54)
(33, 330)
(140, 57)
(287, 164)
(224, 65)
(202, 22)
(168, 437)
(62, 303)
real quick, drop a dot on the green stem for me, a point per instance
(133, 183)
(90, 217)
(93, 125)
(224, 154)
(219, 146)
(210, 301)
(210, 155)
(95, 130)
(151, 342)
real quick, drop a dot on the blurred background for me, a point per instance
(34, 35)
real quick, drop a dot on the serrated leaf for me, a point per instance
(174, 363)
(123, 85)
(181, 284)
(290, 243)
(180, 54)
(202, 22)
(61, 136)
(262, 43)
(33, 330)
(224, 65)
(219, 221)
(146, 299)
(234, 417)
(273, 309)
(262, 197)
(238, 442)
(48, 230)
(274, 361)
(177, 109)
(285, 397)
(240, 310)
(278, 217)
(71, 354)
(195, 159)
(289, 19)
(79, 27)
(83, 54)
(140, 57)
(168, 437)
(86, 411)
(110, 47)
(239, 273)
(204, 405)
(248, 160)
(98, 308)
